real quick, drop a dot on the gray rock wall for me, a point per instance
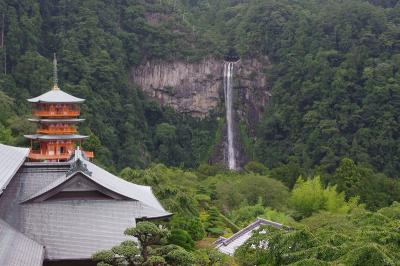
(197, 88)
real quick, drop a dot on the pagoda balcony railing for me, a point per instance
(57, 131)
(37, 155)
(62, 113)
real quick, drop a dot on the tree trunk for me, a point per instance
(145, 253)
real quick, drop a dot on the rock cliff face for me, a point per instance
(187, 87)
(197, 88)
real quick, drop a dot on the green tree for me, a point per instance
(150, 251)
(214, 224)
(256, 168)
(192, 225)
(181, 238)
(147, 234)
(310, 196)
(374, 189)
(348, 178)
(272, 192)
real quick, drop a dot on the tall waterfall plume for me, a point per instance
(228, 76)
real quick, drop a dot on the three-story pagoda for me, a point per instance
(57, 114)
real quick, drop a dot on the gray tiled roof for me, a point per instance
(105, 179)
(11, 158)
(56, 96)
(125, 188)
(74, 228)
(17, 249)
(230, 244)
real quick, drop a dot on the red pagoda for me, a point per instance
(57, 114)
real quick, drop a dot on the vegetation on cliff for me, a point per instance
(326, 156)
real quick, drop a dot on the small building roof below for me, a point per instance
(230, 244)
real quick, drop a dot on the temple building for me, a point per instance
(57, 114)
(56, 206)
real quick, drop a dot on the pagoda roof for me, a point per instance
(55, 137)
(56, 96)
(61, 120)
(11, 159)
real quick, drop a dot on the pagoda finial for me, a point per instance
(55, 77)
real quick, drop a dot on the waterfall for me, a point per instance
(228, 73)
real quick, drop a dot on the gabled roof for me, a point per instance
(229, 245)
(17, 249)
(11, 159)
(56, 96)
(120, 186)
(70, 183)
(106, 180)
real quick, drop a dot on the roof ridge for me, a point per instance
(250, 227)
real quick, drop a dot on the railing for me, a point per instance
(37, 155)
(56, 131)
(62, 113)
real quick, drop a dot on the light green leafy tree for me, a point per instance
(309, 196)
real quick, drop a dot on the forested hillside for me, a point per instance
(335, 80)
(327, 149)
(334, 77)
(96, 42)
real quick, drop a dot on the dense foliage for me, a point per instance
(355, 238)
(322, 225)
(336, 84)
(335, 78)
(97, 42)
